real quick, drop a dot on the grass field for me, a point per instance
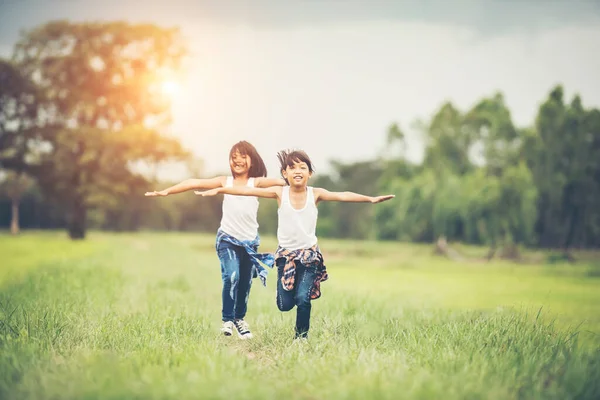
(137, 316)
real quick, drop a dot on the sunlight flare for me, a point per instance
(170, 88)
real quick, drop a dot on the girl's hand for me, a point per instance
(156, 194)
(211, 192)
(380, 199)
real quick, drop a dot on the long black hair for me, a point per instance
(257, 165)
(287, 158)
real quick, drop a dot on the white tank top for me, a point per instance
(296, 229)
(239, 214)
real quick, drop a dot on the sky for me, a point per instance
(330, 76)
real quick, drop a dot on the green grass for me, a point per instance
(137, 316)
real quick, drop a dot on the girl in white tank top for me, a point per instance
(299, 260)
(297, 228)
(239, 214)
(237, 238)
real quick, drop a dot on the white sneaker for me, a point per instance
(227, 328)
(243, 329)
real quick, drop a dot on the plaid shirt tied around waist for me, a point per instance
(258, 259)
(310, 258)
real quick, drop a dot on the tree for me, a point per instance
(448, 142)
(20, 135)
(409, 216)
(14, 185)
(453, 198)
(492, 133)
(104, 109)
(562, 152)
(590, 236)
(395, 139)
(392, 161)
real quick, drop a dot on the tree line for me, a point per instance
(79, 112)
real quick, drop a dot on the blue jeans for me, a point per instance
(299, 296)
(236, 273)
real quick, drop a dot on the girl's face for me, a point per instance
(297, 175)
(240, 164)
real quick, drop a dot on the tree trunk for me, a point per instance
(491, 252)
(442, 248)
(14, 222)
(510, 251)
(77, 221)
(572, 226)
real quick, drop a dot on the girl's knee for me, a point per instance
(230, 276)
(302, 301)
(285, 307)
(285, 304)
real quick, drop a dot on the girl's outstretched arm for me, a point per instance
(326, 195)
(273, 192)
(190, 184)
(268, 182)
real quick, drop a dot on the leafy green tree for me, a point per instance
(493, 134)
(590, 236)
(563, 154)
(408, 217)
(104, 109)
(451, 196)
(392, 160)
(448, 142)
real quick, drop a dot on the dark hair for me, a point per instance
(287, 158)
(257, 165)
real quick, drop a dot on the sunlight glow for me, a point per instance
(170, 88)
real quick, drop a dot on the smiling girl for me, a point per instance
(299, 261)
(237, 238)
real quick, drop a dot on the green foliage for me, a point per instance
(81, 110)
(499, 209)
(267, 216)
(13, 184)
(20, 131)
(493, 132)
(448, 142)
(103, 110)
(563, 155)
(526, 186)
(343, 220)
(402, 218)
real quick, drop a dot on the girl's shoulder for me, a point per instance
(317, 193)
